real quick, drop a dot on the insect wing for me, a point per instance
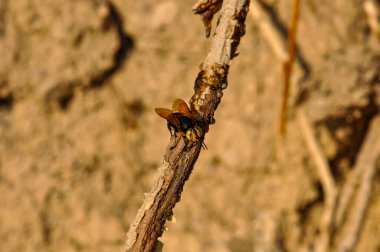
(168, 115)
(181, 106)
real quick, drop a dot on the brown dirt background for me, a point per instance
(80, 142)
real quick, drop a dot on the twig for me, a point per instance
(269, 32)
(288, 67)
(327, 181)
(346, 194)
(366, 164)
(207, 9)
(181, 155)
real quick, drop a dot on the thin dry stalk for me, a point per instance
(346, 194)
(181, 155)
(366, 163)
(288, 66)
(268, 31)
(322, 242)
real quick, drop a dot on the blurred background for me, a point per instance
(80, 141)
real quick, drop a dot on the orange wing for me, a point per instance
(168, 115)
(181, 106)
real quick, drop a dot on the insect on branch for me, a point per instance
(181, 154)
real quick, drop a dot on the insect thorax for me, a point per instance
(185, 122)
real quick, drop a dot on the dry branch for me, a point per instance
(181, 155)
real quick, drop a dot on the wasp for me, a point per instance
(182, 120)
